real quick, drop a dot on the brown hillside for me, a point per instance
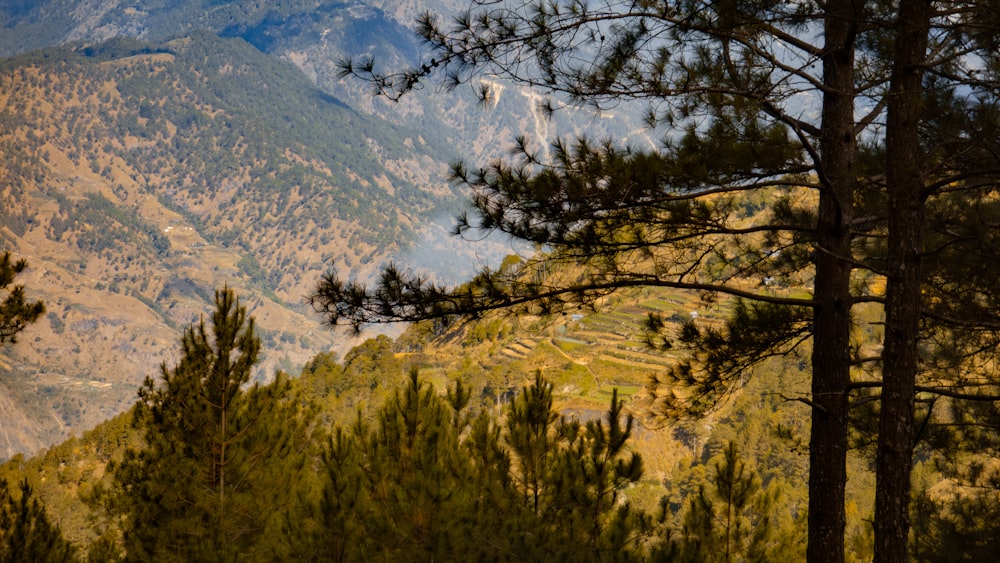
(137, 185)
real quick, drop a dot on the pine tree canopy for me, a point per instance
(425, 480)
(214, 472)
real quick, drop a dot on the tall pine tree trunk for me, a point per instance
(223, 441)
(831, 331)
(906, 220)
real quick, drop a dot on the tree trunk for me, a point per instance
(902, 310)
(831, 323)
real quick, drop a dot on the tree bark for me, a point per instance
(906, 219)
(831, 330)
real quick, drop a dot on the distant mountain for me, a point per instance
(38, 24)
(154, 151)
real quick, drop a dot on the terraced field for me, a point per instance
(585, 355)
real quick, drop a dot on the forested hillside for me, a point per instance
(221, 147)
(138, 178)
(459, 438)
(464, 386)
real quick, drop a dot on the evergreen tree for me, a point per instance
(956, 509)
(732, 518)
(570, 478)
(394, 490)
(530, 434)
(343, 502)
(220, 458)
(427, 482)
(415, 473)
(105, 549)
(25, 531)
(16, 312)
(499, 522)
(959, 528)
(729, 82)
(589, 476)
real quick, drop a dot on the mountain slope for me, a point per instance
(138, 178)
(584, 356)
(154, 151)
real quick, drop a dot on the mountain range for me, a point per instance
(156, 151)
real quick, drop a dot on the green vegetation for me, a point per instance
(444, 476)
(729, 519)
(16, 311)
(98, 226)
(899, 149)
(242, 147)
(799, 215)
(138, 176)
(207, 110)
(514, 457)
(427, 481)
(213, 476)
(26, 533)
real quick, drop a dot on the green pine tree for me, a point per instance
(425, 481)
(957, 529)
(16, 311)
(343, 503)
(731, 518)
(389, 485)
(220, 461)
(26, 534)
(416, 475)
(570, 478)
(531, 423)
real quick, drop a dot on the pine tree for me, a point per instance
(589, 477)
(957, 529)
(26, 534)
(499, 523)
(956, 508)
(425, 481)
(342, 506)
(219, 458)
(16, 312)
(531, 426)
(732, 517)
(570, 478)
(397, 489)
